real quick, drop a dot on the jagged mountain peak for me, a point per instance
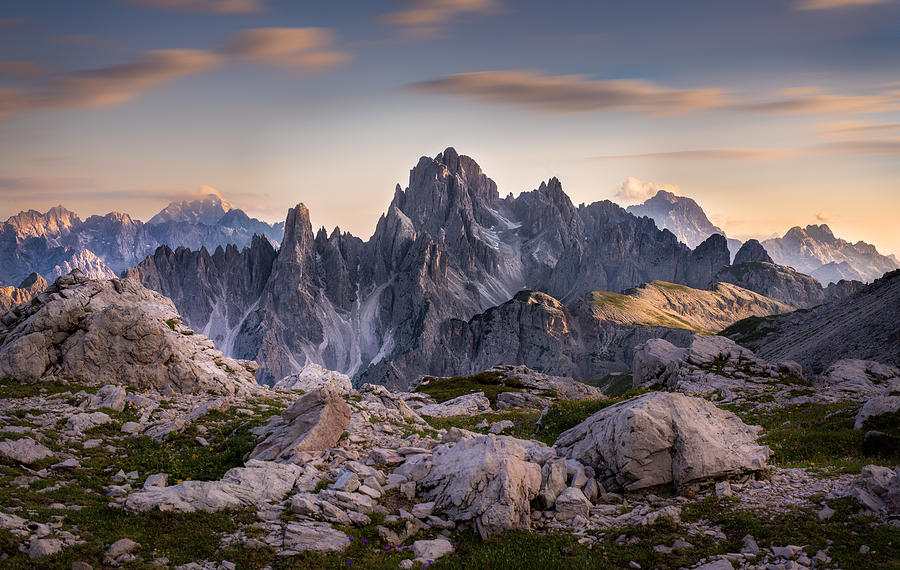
(32, 223)
(207, 210)
(681, 215)
(752, 250)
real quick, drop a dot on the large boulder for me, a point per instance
(465, 405)
(315, 422)
(486, 480)
(861, 377)
(24, 450)
(313, 377)
(256, 483)
(660, 438)
(651, 359)
(114, 331)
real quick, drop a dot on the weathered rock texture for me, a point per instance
(862, 326)
(661, 438)
(117, 332)
(315, 422)
(27, 289)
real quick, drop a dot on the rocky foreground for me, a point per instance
(183, 462)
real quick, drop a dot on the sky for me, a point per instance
(769, 113)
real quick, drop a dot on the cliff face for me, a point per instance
(862, 325)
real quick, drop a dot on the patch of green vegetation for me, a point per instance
(11, 389)
(750, 329)
(172, 323)
(567, 414)
(490, 382)
(614, 384)
(180, 537)
(525, 422)
(820, 435)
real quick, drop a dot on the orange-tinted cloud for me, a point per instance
(21, 69)
(120, 83)
(287, 47)
(871, 147)
(859, 128)
(733, 154)
(637, 190)
(811, 100)
(217, 6)
(426, 18)
(573, 93)
(836, 4)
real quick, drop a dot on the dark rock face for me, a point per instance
(815, 250)
(861, 326)
(55, 242)
(752, 250)
(448, 247)
(775, 281)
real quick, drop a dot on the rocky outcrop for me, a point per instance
(255, 483)
(777, 282)
(862, 326)
(27, 289)
(117, 332)
(314, 377)
(486, 480)
(814, 248)
(752, 250)
(315, 422)
(662, 438)
(24, 450)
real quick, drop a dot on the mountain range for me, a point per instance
(454, 279)
(448, 250)
(57, 241)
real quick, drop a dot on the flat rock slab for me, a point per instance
(315, 422)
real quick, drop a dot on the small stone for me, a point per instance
(70, 463)
(79, 565)
(634, 565)
(42, 547)
(864, 549)
(423, 510)
(427, 550)
(750, 545)
(157, 480)
(121, 547)
(825, 514)
(723, 489)
(681, 544)
(131, 428)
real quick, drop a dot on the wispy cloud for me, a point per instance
(121, 83)
(836, 4)
(637, 190)
(287, 47)
(83, 40)
(22, 69)
(859, 128)
(719, 154)
(573, 93)
(428, 18)
(825, 217)
(215, 6)
(871, 147)
(812, 100)
(298, 48)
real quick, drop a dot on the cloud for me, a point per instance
(216, 6)
(118, 84)
(836, 4)
(732, 154)
(871, 147)
(824, 217)
(857, 128)
(572, 93)
(637, 190)
(811, 100)
(21, 69)
(286, 47)
(426, 18)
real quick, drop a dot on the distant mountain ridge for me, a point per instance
(55, 242)
(817, 251)
(682, 216)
